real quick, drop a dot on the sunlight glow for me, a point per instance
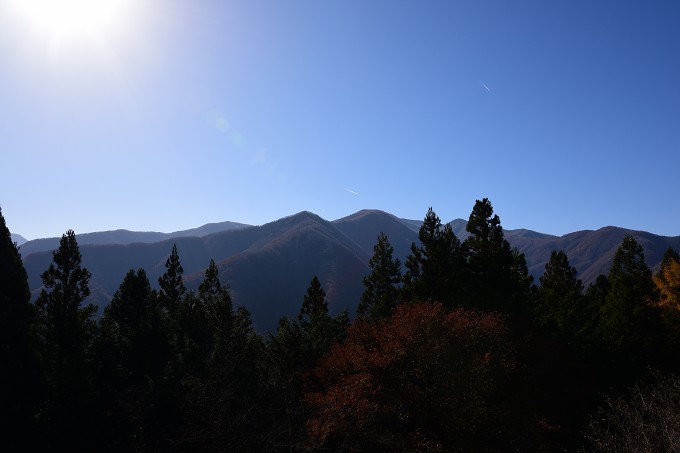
(73, 18)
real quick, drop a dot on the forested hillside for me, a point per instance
(453, 347)
(268, 266)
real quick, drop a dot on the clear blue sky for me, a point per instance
(175, 113)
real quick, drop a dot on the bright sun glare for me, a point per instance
(72, 18)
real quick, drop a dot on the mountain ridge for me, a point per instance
(123, 236)
(270, 266)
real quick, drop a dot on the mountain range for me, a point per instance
(269, 267)
(123, 237)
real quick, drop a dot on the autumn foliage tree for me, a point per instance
(423, 379)
(668, 281)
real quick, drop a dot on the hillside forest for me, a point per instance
(456, 349)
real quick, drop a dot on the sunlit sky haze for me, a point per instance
(168, 114)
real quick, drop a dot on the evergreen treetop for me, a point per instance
(171, 283)
(380, 295)
(314, 302)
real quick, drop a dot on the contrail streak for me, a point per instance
(351, 191)
(487, 88)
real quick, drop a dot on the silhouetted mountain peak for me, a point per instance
(296, 218)
(366, 213)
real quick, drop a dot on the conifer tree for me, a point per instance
(219, 312)
(15, 307)
(139, 327)
(381, 292)
(560, 296)
(321, 330)
(492, 282)
(434, 269)
(314, 302)
(65, 326)
(132, 350)
(19, 379)
(66, 332)
(293, 351)
(221, 388)
(629, 322)
(171, 283)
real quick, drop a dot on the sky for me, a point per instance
(163, 115)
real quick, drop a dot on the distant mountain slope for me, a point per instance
(124, 237)
(457, 225)
(590, 252)
(269, 267)
(364, 226)
(271, 276)
(109, 263)
(208, 228)
(19, 239)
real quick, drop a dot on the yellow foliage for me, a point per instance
(668, 283)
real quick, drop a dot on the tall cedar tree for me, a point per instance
(381, 291)
(133, 350)
(497, 278)
(172, 297)
(314, 302)
(560, 295)
(554, 356)
(594, 299)
(66, 332)
(219, 312)
(320, 329)
(629, 321)
(221, 397)
(433, 270)
(139, 329)
(172, 286)
(19, 378)
(287, 358)
(291, 353)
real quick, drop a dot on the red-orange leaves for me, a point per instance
(423, 378)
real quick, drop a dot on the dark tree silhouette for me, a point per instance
(133, 351)
(66, 332)
(559, 297)
(314, 303)
(493, 281)
(434, 269)
(20, 379)
(629, 320)
(171, 283)
(381, 291)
